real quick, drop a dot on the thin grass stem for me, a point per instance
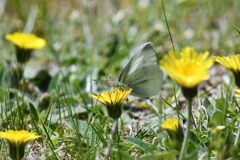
(113, 131)
(185, 141)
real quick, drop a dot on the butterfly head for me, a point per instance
(120, 86)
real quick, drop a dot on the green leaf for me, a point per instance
(160, 155)
(1, 74)
(217, 118)
(119, 154)
(138, 142)
(236, 29)
(34, 112)
(222, 104)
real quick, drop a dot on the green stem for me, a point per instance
(237, 138)
(113, 131)
(185, 141)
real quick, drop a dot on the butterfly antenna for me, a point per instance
(166, 20)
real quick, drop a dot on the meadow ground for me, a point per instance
(88, 44)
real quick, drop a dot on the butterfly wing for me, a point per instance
(142, 72)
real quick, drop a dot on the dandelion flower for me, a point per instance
(17, 141)
(113, 101)
(175, 131)
(187, 68)
(171, 125)
(26, 41)
(25, 44)
(232, 63)
(237, 93)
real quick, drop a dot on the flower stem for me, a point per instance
(185, 141)
(109, 148)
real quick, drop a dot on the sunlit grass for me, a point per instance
(88, 44)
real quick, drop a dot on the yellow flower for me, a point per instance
(18, 137)
(232, 63)
(171, 125)
(17, 141)
(26, 41)
(237, 93)
(113, 100)
(25, 44)
(188, 68)
(174, 129)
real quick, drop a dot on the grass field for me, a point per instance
(89, 42)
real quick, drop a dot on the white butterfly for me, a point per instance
(142, 73)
